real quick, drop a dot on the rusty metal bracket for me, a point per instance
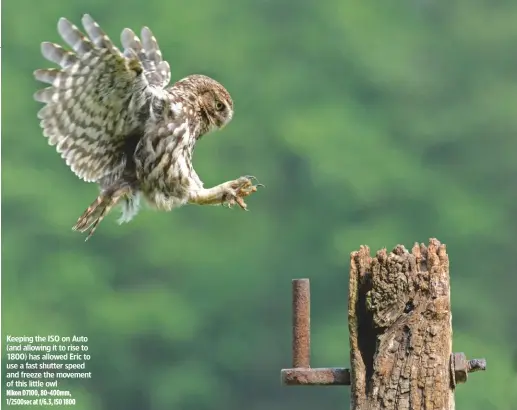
(303, 375)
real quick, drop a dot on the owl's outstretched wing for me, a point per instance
(97, 98)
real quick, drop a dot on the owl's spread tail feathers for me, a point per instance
(97, 211)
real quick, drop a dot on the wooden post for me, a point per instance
(400, 333)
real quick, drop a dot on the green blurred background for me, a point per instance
(369, 124)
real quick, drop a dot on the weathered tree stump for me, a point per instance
(400, 329)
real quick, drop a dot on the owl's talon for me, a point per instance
(239, 189)
(241, 203)
(252, 178)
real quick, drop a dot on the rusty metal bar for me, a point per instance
(301, 323)
(301, 374)
(316, 377)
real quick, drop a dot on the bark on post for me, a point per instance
(400, 329)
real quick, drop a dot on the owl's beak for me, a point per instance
(227, 121)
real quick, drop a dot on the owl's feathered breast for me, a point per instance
(163, 156)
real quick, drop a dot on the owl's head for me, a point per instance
(212, 100)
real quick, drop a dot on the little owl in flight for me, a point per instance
(116, 122)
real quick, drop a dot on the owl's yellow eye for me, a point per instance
(219, 106)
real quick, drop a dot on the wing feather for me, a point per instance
(148, 52)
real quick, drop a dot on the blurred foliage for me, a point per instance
(369, 124)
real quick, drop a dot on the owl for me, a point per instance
(115, 120)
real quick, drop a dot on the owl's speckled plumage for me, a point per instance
(115, 122)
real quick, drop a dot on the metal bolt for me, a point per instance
(461, 367)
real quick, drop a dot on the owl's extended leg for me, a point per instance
(230, 193)
(99, 208)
